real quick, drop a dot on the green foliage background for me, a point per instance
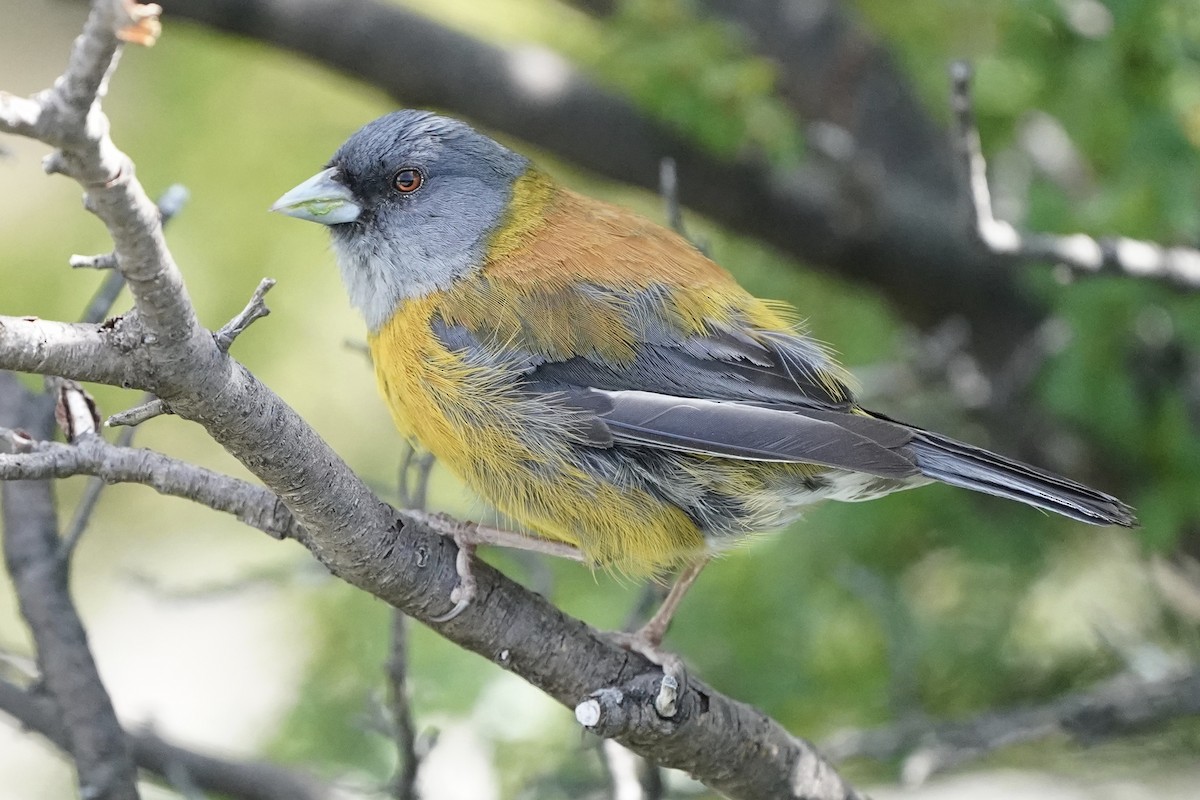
(930, 602)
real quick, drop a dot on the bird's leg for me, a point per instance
(468, 536)
(655, 629)
(647, 640)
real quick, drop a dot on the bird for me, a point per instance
(598, 379)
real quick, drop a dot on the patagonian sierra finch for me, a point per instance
(594, 376)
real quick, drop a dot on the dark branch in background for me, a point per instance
(1082, 254)
(67, 671)
(842, 81)
(404, 784)
(835, 71)
(161, 347)
(1125, 704)
(892, 235)
(624, 770)
(87, 503)
(412, 489)
(240, 780)
(106, 295)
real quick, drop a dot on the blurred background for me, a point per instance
(932, 604)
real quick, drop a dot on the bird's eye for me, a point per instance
(407, 180)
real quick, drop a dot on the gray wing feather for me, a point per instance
(749, 432)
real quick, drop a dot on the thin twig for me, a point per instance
(1082, 254)
(169, 204)
(138, 414)
(254, 310)
(100, 261)
(404, 785)
(404, 493)
(412, 495)
(419, 496)
(668, 189)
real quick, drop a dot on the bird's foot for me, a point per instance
(468, 536)
(647, 640)
(464, 592)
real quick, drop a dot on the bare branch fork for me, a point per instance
(161, 347)
(1082, 254)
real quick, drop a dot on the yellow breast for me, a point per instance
(517, 454)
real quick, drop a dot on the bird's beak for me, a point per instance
(321, 198)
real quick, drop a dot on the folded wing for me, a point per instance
(748, 432)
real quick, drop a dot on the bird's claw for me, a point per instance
(462, 594)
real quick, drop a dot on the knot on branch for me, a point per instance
(630, 711)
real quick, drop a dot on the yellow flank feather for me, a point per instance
(515, 452)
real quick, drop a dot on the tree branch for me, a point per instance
(142, 412)
(835, 73)
(93, 455)
(1123, 704)
(404, 732)
(1082, 254)
(169, 204)
(87, 502)
(236, 779)
(82, 352)
(256, 309)
(31, 542)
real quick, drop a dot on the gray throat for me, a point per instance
(380, 277)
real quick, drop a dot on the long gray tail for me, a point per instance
(970, 467)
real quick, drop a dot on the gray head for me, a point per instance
(410, 199)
